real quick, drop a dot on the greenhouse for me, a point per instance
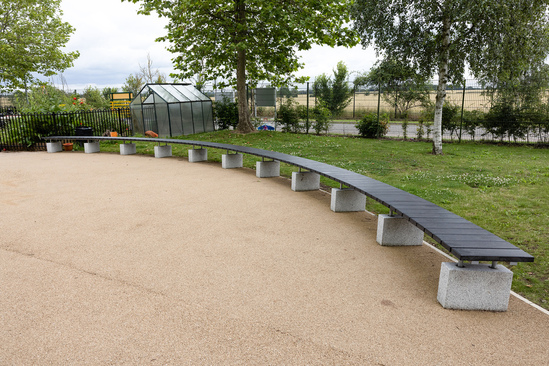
(171, 110)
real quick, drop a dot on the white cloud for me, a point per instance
(113, 40)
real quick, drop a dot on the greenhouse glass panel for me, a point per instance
(184, 91)
(161, 92)
(163, 120)
(198, 119)
(171, 110)
(149, 118)
(175, 92)
(149, 100)
(208, 117)
(187, 118)
(137, 118)
(175, 119)
(199, 95)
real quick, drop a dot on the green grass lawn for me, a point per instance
(504, 189)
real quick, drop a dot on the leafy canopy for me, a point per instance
(206, 35)
(334, 93)
(402, 87)
(495, 40)
(32, 36)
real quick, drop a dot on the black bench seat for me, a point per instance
(465, 240)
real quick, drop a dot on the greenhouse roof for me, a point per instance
(170, 93)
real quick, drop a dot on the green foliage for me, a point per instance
(496, 40)
(505, 120)
(285, 92)
(371, 128)
(226, 114)
(334, 93)
(95, 99)
(107, 91)
(471, 121)
(402, 87)
(133, 84)
(43, 98)
(323, 119)
(404, 129)
(32, 36)
(288, 116)
(240, 41)
(450, 121)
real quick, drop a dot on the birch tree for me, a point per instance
(492, 39)
(235, 41)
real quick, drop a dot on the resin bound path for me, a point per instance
(108, 259)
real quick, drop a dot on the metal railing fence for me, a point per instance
(475, 116)
(23, 131)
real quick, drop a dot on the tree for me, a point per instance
(401, 85)
(491, 38)
(95, 99)
(150, 76)
(107, 91)
(146, 75)
(133, 84)
(334, 93)
(236, 41)
(32, 35)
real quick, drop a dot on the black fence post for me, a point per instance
(378, 101)
(462, 108)
(307, 124)
(120, 121)
(354, 100)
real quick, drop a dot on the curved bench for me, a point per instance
(411, 217)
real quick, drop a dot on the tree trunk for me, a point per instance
(244, 124)
(441, 88)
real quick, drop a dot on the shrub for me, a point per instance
(369, 126)
(420, 130)
(450, 121)
(288, 116)
(323, 119)
(405, 129)
(226, 114)
(471, 121)
(504, 119)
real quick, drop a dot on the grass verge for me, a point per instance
(504, 189)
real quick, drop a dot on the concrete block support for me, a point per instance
(53, 147)
(397, 231)
(91, 147)
(267, 169)
(305, 181)
(163, 151)
(197, 155)
(128, 149)
(474, 287)
(347, 200)
(230, 161)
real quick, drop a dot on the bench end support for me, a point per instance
(474, 287)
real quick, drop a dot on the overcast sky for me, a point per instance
(113, 40)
